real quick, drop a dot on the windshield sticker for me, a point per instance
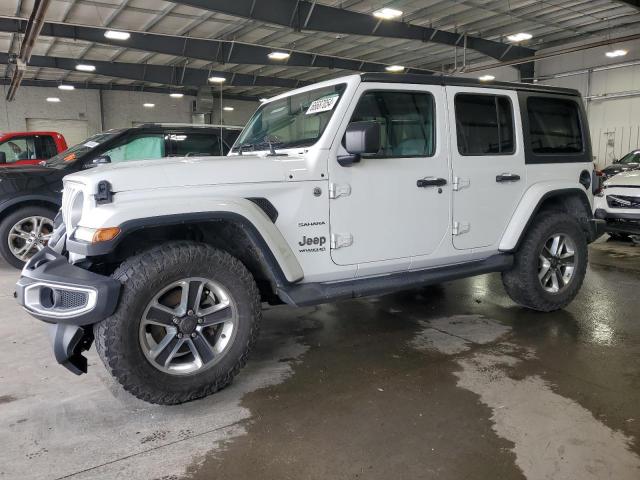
(324, 104)
(91, 144)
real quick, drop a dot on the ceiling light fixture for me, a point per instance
(519, 37)
(617, 53)
(217, 79)
(228, 109)
(83, 67)
(387, 13)
(279, 55)
(66, 87)
(394, 68)
(117, 35)
(176, 95)
(148, 105)
(53, 99)
(486, 78)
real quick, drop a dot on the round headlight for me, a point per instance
(76, 210)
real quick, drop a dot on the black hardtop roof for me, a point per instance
(446, 80)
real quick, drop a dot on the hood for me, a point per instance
(625, 179)
(619, 167)
(195, 171)
(29, 180)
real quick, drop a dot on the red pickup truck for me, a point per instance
(29, 148)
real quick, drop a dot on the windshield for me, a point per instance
(295, 121)
(78, 151)
(633, 157)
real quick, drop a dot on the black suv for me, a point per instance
(31, 196)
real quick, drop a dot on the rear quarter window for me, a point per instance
(555, 128)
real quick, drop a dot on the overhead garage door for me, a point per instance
(74, 131)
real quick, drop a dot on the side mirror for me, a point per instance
(101, 160)
(3, 158)
(360, 138)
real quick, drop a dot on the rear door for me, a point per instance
(396, 203)
(488, 163)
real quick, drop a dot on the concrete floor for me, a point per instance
(447, 382)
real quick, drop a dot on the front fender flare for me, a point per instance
(133, 216)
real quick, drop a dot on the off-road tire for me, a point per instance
(521, 282)
(144, 275)
(10, 220)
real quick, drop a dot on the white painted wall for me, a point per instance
(614, 123)
(31, 102)
(122, 109)
(242, 111)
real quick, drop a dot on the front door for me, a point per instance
(489, 175)
(394, 204)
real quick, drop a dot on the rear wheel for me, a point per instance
(25, 232)
(187, 318)
(550, 264)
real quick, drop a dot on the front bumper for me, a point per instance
(618, 222)
(69, 298)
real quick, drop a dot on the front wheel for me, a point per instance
(550, 264)
(24, 233)
(187, 319)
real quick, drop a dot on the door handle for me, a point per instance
(431, 182)
(507, 177)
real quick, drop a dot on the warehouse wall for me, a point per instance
(125, 109)
(120, 109)
(614, 122)
(31, 102)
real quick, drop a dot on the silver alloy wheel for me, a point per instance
(29, 236)
(557, 263)
(188, 326)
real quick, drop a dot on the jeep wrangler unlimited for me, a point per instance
(361, 185)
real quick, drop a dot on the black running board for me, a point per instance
(316, 293)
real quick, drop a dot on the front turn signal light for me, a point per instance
(105, 234)
(96, 235)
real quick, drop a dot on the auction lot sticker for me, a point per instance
(324, 104)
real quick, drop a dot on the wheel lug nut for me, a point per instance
(194, 335)
(179, 335)
(190, 312)
(176, 321)
(200, 320)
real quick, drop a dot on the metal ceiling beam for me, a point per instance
(31, 32)
(124, 88)
(309, 15)
(220, 51)
(167, 75)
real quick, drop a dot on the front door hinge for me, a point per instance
(336, 190)
(339, 240)
(460, 183)
(460, 227)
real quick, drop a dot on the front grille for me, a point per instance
(70, 300)
(622, 201)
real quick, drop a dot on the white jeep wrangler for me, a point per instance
(361, 185)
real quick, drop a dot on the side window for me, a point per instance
(194, 144)
(554, 126)
(17, 149)
(45, 147)
(484, 124)
(140, 147)
(407, 121)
